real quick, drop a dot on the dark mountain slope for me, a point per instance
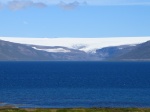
(140, 52)
(13, 51)
(108, 53)
(20, 52)
(125, 52)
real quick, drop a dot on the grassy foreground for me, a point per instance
(78, 110)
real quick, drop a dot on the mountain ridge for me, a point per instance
(83, 44)
(10, 51)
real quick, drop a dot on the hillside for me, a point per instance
(140, 52)
(108, 53)
(19, 52)
(10, 51)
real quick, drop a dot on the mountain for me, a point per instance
(139, 52)
(10, 51)
(13, 51)
(88, 45)
(108, 53)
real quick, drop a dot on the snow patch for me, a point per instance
(53, 50)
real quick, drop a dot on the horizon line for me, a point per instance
(74, 37)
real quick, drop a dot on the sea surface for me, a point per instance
(75, 84)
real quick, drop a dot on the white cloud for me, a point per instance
(67, 4)
(90, 2)
(21, 4)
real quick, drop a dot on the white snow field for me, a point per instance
(84, 44)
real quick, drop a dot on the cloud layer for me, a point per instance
(16, 4)
(66, 4)
(21, 4)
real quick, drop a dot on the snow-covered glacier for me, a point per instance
(83, 44)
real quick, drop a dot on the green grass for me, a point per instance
(12, 110)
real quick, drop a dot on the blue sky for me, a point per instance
(74, 18)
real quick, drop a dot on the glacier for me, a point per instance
(83, 44)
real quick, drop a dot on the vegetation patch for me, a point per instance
(79, 110)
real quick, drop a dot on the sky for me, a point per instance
(74, 18)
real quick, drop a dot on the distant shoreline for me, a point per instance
(13, 109)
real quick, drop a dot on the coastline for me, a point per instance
(124, 96)
(15, 109)
(12, 108)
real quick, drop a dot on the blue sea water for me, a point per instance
(75, 84)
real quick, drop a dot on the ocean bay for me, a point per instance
(75, 84)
